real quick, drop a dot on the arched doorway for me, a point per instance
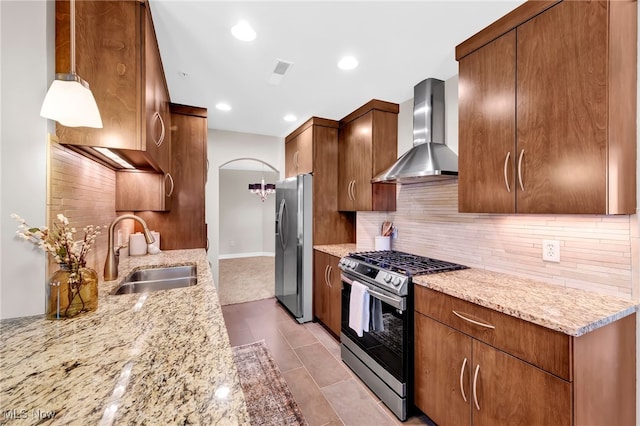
(246, 242)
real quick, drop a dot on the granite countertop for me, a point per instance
(338, 250)
(157, 358)
(567, 310)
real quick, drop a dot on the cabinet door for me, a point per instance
(487, 126)
(442, 372)
(511, 392)
(562, 109)
(346, 171)
(354, 191)
(143, 191)
(335, 295)
(290, 155)
(304, 160)
(361, 147)
(157, 137)
(320, 285)
(298, 154)
(109, 59)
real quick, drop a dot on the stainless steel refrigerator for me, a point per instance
(294, 246)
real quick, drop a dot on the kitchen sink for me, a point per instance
(155, 279)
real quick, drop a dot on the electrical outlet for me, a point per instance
(394, 233)
(551, 250)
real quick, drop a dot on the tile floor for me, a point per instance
(308, 356)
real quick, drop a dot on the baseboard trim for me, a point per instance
(240, 255)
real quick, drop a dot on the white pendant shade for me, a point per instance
(70, 102)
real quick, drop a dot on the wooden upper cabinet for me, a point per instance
(184, 226)
(299, 152)
(574, 103)
(368, 145)
(315, 145)
(487, 122)
(117, 54)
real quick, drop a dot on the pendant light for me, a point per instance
(69, 100)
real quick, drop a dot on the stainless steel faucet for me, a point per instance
(113, 255)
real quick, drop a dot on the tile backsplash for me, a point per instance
(597, 253)
(84, 191)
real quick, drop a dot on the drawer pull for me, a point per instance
(464, 364)
(481, 324)
(475, 387)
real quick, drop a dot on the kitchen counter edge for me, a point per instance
(337, 250)
(570, 311)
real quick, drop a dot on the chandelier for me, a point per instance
(262, 190)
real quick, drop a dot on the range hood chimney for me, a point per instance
(429, 159)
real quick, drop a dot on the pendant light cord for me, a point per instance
(72, 11)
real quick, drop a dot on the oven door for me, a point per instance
(389, 348)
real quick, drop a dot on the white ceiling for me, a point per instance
(398, 44)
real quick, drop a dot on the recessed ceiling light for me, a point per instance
(243, 31)
(223, 107)
(348, 63)
(290, 117)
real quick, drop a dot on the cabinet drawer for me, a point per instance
(542, 347)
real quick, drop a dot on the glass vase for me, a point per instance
(71, 292)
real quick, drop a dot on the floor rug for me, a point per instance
(269, 400)
(246, 279)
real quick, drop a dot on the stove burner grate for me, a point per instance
(406, 263)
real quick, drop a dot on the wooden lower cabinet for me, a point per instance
(460, 379)
(327, 290)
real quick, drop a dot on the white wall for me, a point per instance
(225, 146)
(27, 40)
(246, 223)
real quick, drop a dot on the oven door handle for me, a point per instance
(397, 302)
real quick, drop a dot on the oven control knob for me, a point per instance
(352, 264)
(397, 281)
(387, 278)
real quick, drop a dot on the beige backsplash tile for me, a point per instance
(597, 252)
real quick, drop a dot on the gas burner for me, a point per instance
(405, 263)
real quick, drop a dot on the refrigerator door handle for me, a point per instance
(282, 215)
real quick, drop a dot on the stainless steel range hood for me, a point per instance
(429, 159)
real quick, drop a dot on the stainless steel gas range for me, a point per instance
(381, 354)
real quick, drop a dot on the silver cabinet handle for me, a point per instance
(464, 364)
(349, 190)
(506, 178)
(157, 116)
(481, 324)
(330, 270)
(475, 387)
(326, 275)
(168, 175)
(520, 170)
(353, 190)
